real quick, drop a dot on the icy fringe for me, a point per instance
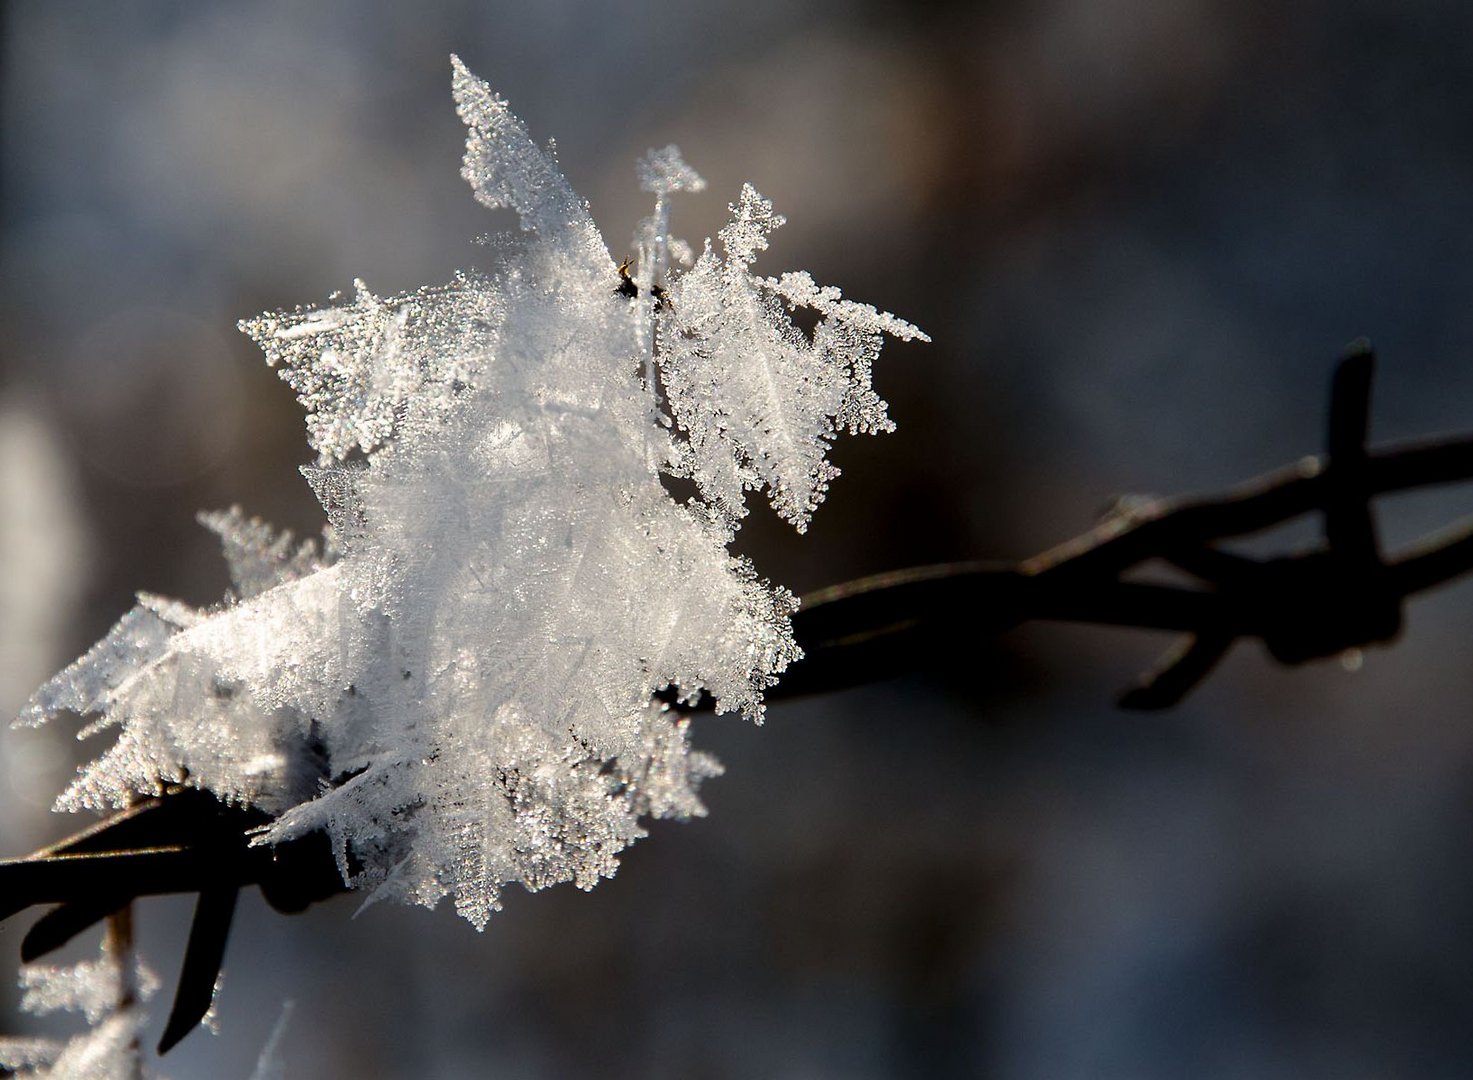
(459, 690)
(108, 1050)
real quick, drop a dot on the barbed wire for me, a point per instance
(1343, 594)
(1307, 605)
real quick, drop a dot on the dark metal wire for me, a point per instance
(1341, 595)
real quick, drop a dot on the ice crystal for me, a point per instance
(91, 987)
(270, 1065)
(459, 687)
(758, 400)
(105, 992)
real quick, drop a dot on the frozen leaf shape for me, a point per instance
(757, 400)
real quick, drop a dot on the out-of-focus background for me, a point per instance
(1139, 233)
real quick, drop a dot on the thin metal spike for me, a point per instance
(1179, 671)
(203, 958)
(112, 833)
(181, 816)
(1350, 527)
(61, 924)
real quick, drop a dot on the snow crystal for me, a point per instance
(459, 686)
(98, 989)
(756, 399)
(91, 987)
(259, 558)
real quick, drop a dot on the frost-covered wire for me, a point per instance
(459, 685)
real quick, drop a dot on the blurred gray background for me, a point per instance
(1139, 233)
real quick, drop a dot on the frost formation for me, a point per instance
(459, 685)
(108, 1049)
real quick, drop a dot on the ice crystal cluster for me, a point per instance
(107, 992)
(459, 684)
(98, 989)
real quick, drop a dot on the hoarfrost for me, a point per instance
(459, 686)
(259, 558)
(108, 1049)
(91, 987)
(757, 400)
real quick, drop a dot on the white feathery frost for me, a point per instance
(459, 685)
(108, 1049)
